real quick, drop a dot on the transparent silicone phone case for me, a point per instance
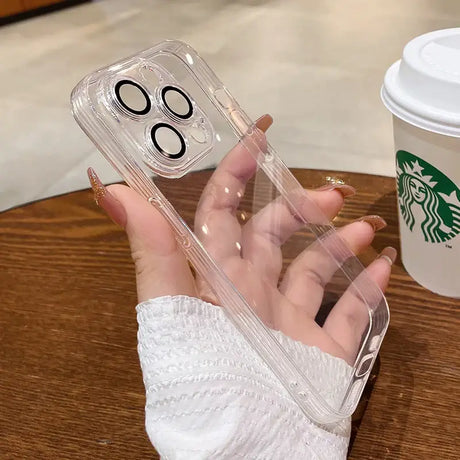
(255, 237)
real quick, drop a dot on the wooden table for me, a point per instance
(70, 383)
(15, 10)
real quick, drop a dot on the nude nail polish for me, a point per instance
(389, 254)
(375, 221)
(264, 122)
(344, 189)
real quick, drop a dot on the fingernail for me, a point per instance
(389, 254)
(344, 189)
(376, 222)
(264, 122)
(106, 200)
(98, 187)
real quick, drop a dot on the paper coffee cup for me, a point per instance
(422, 90)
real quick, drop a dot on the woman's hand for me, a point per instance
(250, 254)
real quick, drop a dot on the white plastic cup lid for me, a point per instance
(423, 88)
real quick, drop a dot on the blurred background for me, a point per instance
(316, 66)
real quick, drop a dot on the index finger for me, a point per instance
(216, 211)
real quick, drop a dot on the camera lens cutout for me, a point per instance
(168, 141)
(177, 102)
(133, 97)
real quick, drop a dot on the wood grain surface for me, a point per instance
(70, 382)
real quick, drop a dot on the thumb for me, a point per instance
(161, 267)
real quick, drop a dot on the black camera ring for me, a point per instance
(148, 103)
(189, 112)
(173, 156)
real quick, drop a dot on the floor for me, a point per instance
(317, 67)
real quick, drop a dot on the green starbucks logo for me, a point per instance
(428, 199)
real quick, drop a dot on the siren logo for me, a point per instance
(428, 199)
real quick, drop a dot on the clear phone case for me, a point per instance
(251, 231)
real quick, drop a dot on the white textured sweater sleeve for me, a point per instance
(209, 395)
